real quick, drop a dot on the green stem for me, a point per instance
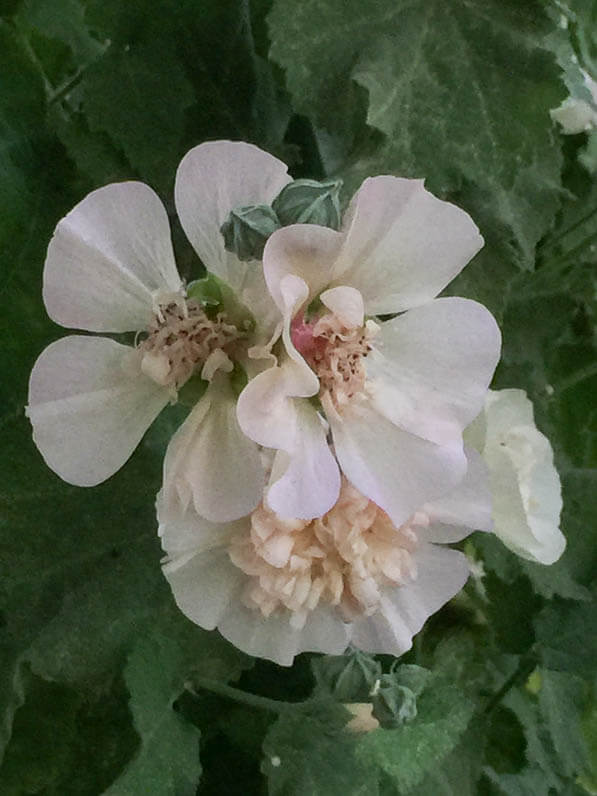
(525, 666)
(227, 691)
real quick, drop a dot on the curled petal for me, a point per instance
(402, 245)
(89, 405)
(108, 258)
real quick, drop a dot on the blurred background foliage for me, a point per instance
(96, 661)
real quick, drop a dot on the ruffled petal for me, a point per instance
(89, 405)
(465, 509)
(403, 245)
(277, 640)
(213, 179)
(397, 470)
(210, 462)
(346, 303)
(107, 259)
(302, 250)
(405, 609)
(431, 367)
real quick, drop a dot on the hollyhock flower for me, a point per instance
(110, 268)
(276, 587)
(525, 486)
(396, 394)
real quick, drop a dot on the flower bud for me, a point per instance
(309, 202)
(247, 229)
(348, 678)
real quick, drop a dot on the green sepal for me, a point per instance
(309, 202)
(247, 229)
(395, 695)
(348, 678)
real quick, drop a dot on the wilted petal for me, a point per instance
(466, 508)
(89, 405)
(403, 245)
(441, 573)
(106, 259)
(210, 462)
(432, 365)
(398, 471)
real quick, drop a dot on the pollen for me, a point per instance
(337, 354)
(344, 558)
(181, 338)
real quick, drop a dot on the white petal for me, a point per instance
(432, 365)
(524, 482)
(89, 405)
(182, 530)
(210, 460)
(303, 250)
(466, 508)
(205, 585)
(405, 609)
(106, 259)
(347, 304)
(402, 244)
(310, 483)
(276, 640)
(213, 179)
(397, 470)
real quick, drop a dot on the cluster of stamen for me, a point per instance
(336, 354)
(344, 558)
(180, 339)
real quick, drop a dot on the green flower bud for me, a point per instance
(247, 229)
(309, 202)
(394, 695)
(348, 678)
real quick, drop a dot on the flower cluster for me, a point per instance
(309, 495)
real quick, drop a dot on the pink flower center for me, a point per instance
(344, 558)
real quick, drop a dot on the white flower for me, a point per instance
(525, 486)
(276, 587)
(396, 394)
(110, 268)
(577, 115)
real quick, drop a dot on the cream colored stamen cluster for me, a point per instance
(180, 339)
(344, 558)
(337, 357)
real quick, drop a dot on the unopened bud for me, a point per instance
(309, 202)
(247, 229)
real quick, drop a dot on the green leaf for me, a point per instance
(568, 635)
(461, 90)
(562, 697)
(307, 752)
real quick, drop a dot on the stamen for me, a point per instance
(344, 558)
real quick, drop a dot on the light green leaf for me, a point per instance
(562, 697)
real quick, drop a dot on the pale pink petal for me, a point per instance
(211, 463)
(405, 609)
(89, 405)
(302, 250)
(397, 470)
(346, 303)
(431, 367)
(107, 258)
(465, 509)
(213, 179)
(403, 245)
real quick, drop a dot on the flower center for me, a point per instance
(336, 354)
(180, 338)
(344, 558)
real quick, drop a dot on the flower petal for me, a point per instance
(210, 460)
(397, 470)
(403, 245)
(465, 509)
(89, 405)
(346, 303)
(432, 365)
(277, 640)
(404, 610)
(213, 179)
(106, 259)
(303, 250)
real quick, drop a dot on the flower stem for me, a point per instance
(525, 666)
(253, 700)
